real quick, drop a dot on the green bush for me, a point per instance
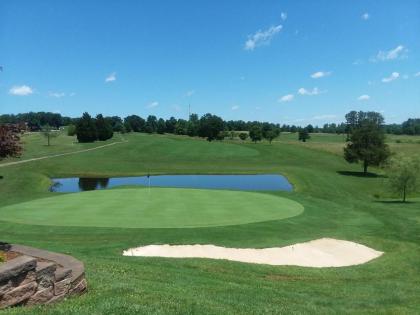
(71, 130)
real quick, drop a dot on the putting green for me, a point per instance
(154, 208)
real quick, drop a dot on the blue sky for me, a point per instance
(294, 62)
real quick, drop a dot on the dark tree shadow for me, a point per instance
(361, 174)
(407, 202)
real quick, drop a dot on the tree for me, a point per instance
(367, 144)
(181, 127)
(151, 124)
(103, 128)
(86, 129)
(255, 133)
(193, 125)
(10, 145)
(304, 135)
(170, 125)
(210, 127)
(243, 136)
(404, 175)
(161, 126)
(357, 119)
(134, 123)
(270, 131)
(71, 130)
(49, 133)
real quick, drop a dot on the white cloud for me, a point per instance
(398, 52)
(56, 94)
(417, 74)
(315, 91)
(111, 78)
(286, 98)
(72, 94)
(365, 16)
(235, 107)
(190, 93)
(283, 16)
(363, 97)
(176, 108)
(152, 104)
(357, 62)
(261, 38)
(320, 74)
(392, 77)
(21, 90)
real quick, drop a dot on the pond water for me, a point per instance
(235, 182)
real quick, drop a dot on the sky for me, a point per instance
(294, 62)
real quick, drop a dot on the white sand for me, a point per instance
(324, 252)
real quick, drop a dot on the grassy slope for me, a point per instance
(335, 206)
(151, 208)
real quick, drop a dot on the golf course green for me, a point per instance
(339, 202)
(153, 208)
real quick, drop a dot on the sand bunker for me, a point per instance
(324, 252)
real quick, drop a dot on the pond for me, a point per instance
(234, 182)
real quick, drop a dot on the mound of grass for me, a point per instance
(153, 208)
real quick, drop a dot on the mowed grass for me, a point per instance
(153, 208)
(334, 143)
(337, 204)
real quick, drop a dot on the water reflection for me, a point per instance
(235, 182)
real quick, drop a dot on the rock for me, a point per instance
(62, 273)
(62, 287)
(5, 287)
(18, 295)
(42, 296)
(45, 274)
(79, 287)
(17, 266)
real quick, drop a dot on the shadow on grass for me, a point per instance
(407, 202)
(360, 174)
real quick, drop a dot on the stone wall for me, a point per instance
(39, 277)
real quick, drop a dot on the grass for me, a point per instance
(152, 208)
(336, 205)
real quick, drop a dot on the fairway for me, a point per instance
(153, 208)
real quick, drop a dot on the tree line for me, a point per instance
(35, 121)
(211, 127)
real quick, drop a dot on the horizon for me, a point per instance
(287, 63)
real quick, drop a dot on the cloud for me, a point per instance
(56, 94)
(320, 74)
(365, 16)
(417, 74)
(111, 78)
(398, 52)
(152, 104)
(261, 38)
(315, 91)
(72, 94)
(283, 16)
(21, 90)
(363, 97)
(176, 108)
(392, 77)
(235, 107)
(190, 93)
(286, 98)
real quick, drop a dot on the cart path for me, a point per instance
(61, 154)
